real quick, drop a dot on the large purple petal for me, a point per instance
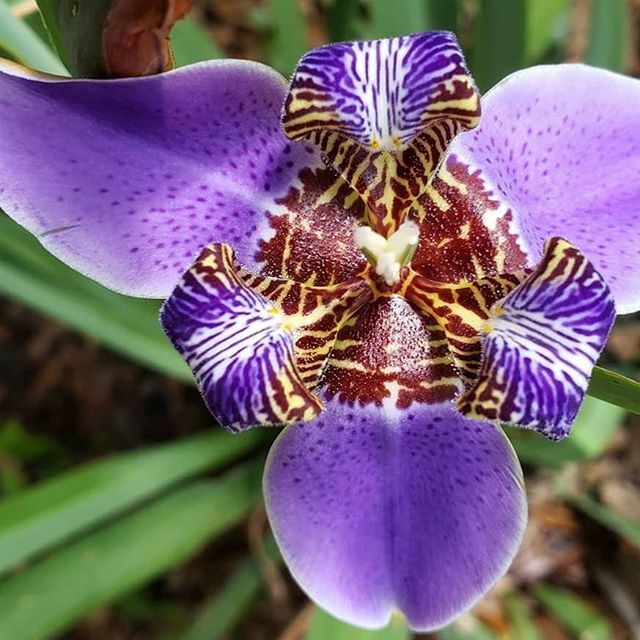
(127, 180)
(560, 145)
(543, 340)
(377, 509)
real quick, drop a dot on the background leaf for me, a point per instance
(574, 613)
(609, 34)
(20, 42)
(323, 626)
(36, 520)
(499, 41)
(99, 568)
(128, 325)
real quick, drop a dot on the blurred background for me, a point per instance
(126, 514)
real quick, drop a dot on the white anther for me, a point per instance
(389, 255)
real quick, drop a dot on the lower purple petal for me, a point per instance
(377, 509)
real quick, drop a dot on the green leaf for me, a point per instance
(20, 41)
(344, 21)
(615, 388)
(625, 527)
(130, 326)
(592, 431)
(191, 43)
(470, 629)
(288, 39)
(442, 14)
(499, 44)
(103, 566)
(521, 626)
(547, 23)
(34, 521)
(75, 27)
(608, 34)
(576, 615)
(323, 626)
(387, 20)
(220, 615)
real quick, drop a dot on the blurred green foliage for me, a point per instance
(90, 535)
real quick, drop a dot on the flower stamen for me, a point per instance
(389, 255)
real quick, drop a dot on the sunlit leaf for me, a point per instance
(608, 34)
(38, 519)
(468, 628)
(575, 614)
(19, 40)
(615, 388)
(43, 600)
(323, 626)
(547, 22)
(521, 625)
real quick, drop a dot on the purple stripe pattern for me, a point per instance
(391, 357)
(542, 342)
(383, 113)
(238, 345)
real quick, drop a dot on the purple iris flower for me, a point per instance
(381, 268)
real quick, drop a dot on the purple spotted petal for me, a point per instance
(127, 180)
(561, 146)
(377, 509)
(543, 342)
(383, 113)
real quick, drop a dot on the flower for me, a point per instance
(375, 270)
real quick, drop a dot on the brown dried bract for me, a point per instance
(135, 37)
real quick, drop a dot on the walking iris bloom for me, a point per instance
(381, 268)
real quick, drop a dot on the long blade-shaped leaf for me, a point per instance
(499, 45)
(323, 627)
(387, 20)
(608, 34)
(573, 613)
(19, 40)
(30, 274)
(103, 566)
(218, 616)
(625, 527)
(40, 518)
(615, 388)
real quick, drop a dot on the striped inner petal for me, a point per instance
(256, 345)
(383, 113)
(461, 310)
(542, 343)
